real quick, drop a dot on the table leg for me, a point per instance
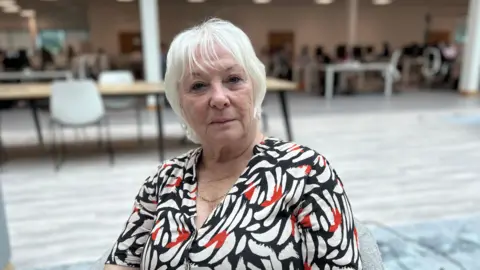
(160, 127)
(329, 83)
(36, 120)
(286, 115)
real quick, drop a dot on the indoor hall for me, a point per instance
(399, 123)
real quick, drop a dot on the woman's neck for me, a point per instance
(232, 153)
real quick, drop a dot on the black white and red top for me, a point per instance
(288, 210)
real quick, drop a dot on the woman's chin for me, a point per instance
(226, 136)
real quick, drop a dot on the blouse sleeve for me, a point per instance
(325, 219)
(128, 248)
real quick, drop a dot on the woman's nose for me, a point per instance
(219, 96)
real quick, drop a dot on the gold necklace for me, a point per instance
(212, 200)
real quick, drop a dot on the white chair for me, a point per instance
(122, 103)
(77, 104)
(394, 60)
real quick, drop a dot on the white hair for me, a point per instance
(200, 41)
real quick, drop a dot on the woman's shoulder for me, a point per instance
(291, 153)
(185, 160)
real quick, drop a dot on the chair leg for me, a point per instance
(99, 135)
(56, 152)
(111, 154)
(138, 116)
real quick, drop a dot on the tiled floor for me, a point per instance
(413, 158)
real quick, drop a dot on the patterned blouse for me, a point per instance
(288, 210)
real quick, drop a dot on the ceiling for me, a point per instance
(65, 10)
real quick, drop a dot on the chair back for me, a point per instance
(395, 58)
(369, 252)
(117, 77)
(76, 103)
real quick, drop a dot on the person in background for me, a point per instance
(163, 59)
(61, 60)
(47, 62)
(266, 59)
(386, 51)
(2, 57)
(241, 200)
(102, 62)
(281, 67)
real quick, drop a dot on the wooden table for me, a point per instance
(33, 92)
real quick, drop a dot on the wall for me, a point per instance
(313, 25)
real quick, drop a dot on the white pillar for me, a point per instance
(150, 42)
(352, 22)
(33, 31)
(470, 72)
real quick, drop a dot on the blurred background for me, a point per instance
(386, 89)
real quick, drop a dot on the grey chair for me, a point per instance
(369, 252)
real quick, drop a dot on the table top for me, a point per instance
(42, 90)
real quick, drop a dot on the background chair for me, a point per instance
(77, 104)
(123, 103)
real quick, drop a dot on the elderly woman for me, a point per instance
(242, 200)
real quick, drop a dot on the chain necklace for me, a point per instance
(212, 200)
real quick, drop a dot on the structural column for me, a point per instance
(470, 72)
(150, 43)
(352, 11)
(33, 30)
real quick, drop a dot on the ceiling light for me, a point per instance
(196, 1)
(262, 1)
(382, 2)
(125, 1)
(11, 9)
(7, 3)
(323, 2)
(27, 13)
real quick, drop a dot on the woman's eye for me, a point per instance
(234, 79)
(198, 86)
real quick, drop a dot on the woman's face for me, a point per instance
(217, 102)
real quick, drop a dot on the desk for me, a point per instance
(35, 75)
(330, 70)
(32, 92)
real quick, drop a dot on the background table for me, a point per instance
(33, 92)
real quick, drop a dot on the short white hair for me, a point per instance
(201, 40)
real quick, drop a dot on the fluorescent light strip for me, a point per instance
(11, 9)
(262, 1)
(382, 2)
(323, 2)
(196, 1)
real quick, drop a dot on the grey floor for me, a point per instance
(408, 159)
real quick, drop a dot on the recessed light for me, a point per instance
(7, 3)
(382, 2)
(27, 13)
(262, 1)
(323, 2)
(11, 9)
